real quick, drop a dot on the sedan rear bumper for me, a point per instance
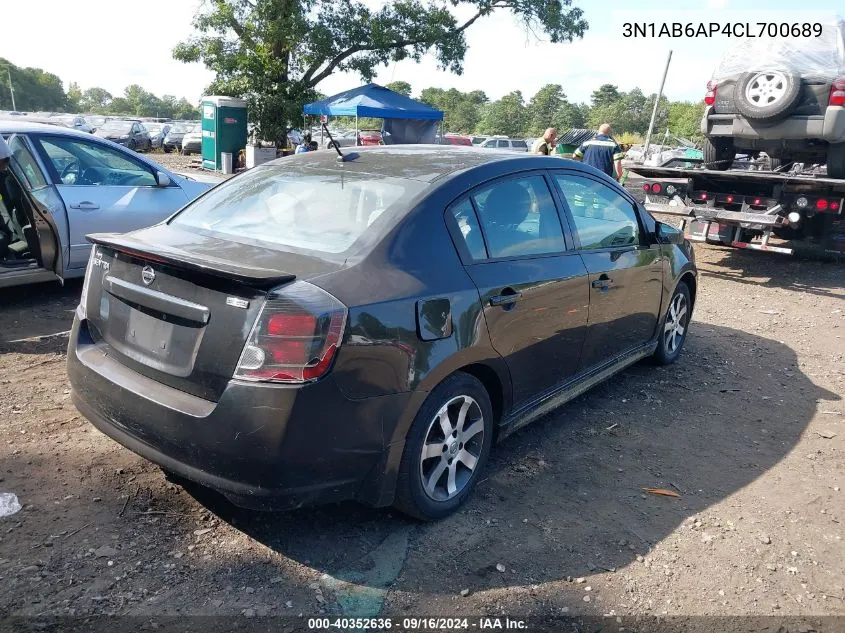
(262, 446)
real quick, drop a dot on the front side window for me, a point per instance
(504, 144)
(519, 218)
(79, 162)
(603, 218)
(323, 211)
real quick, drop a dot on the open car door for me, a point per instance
(32, 218)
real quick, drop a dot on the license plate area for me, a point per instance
(157, 340)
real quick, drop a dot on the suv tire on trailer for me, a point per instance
(718, 154)
(836, 161)
(767, 96)
(441, 441)
(675, 326)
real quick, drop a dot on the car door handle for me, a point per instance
(602, 282)
(505, 299)
(85, 206)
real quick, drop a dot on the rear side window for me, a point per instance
(519, 144)
(504, 143)
(325, 211)
(603, 218)
(519, 218)
(24, 164)
(467, 223)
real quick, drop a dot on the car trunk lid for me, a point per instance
(178, 307)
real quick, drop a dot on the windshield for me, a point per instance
(821, 55)
(326, 211)
(117, 126)
(179, 128)
(152, 128)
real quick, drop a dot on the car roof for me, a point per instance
(16, 126)
(426, 163)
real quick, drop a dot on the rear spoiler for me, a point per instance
(255, 276)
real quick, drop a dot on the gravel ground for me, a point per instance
(748, 428)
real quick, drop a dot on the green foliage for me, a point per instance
(507, 116)
(461, 110)
(274, 53)
(402, 87)
(629, 138)
(684, 119)
(34, 89)
(74, 97)
(626, 111)
(95, 101)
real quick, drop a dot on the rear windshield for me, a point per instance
(324, 211)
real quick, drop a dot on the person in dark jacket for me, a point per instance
(602, 152)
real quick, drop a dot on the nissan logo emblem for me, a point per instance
(148, 275)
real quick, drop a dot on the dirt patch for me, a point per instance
(748, 429)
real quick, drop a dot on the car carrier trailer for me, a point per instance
(746, 209)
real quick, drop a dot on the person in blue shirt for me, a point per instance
(602, 152)
(305, 145)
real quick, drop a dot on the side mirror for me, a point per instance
(667, 234)
(162, 179)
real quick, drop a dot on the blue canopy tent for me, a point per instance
(405, 120)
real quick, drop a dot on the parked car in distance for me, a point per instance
(369, 137)
(781, 96)
(192, 141)
(157, 132)
(456, 139)
(315, 330)
(173, 138)
(63, 184)
(75, 122)
(96, 121)
(130, 134)
(503, 143)
(343, 139)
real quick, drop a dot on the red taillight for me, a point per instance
(837, 93)
(647, 187)
(295, 337)
(757, 202)
(834, 205)
(729, 199)
(702, 196)
(710, 96)
(656, 188)
(821, 204)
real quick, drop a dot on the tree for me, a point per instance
(506, 116)
(34, 88)
(95, 100)
(684, 119)
(543, 107)
(402, 87)
(569, 116)
(274, 53)
(606, 95)
(74, 97)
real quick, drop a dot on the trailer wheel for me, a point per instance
(718, 154)
(836, 161)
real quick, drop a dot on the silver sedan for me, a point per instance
(62, 185)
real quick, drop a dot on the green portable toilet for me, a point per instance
(223, 129)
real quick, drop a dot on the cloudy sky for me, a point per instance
(95, 43)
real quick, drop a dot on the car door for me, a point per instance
(32, 217)
(105, 189)
(625, 270)
(533, 289)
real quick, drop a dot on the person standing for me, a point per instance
(546, 144)
(602, 152)
(305, 145)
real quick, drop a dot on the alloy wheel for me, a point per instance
(766, 88)
(452, 448)
(676, 324)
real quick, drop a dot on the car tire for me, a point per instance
(767, 96)
(166, 148)
(718, 154)
(423, 483)
(671, 339)
(836, 161)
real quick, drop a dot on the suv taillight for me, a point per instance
(837, 93)
(710, 97)
(295, 337)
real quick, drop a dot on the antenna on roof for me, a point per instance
(341, 157)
